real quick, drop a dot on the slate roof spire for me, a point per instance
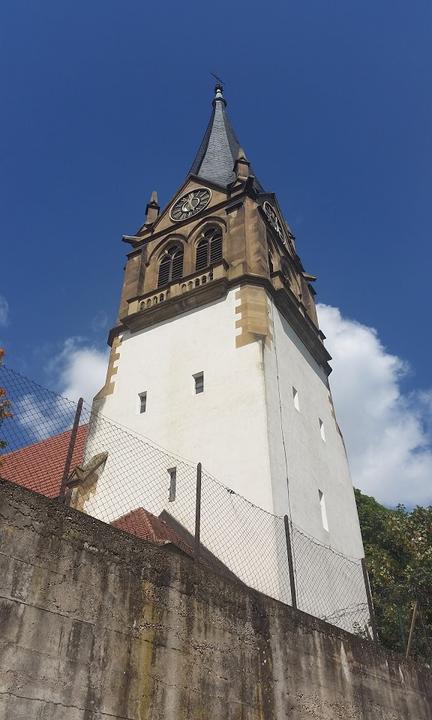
(219, 148)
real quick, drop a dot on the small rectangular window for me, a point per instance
(322, 429)
(172, 472)
(296, 399)
(323, 510)
(199, 382)
(142, 402)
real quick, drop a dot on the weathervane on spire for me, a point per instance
(218, 89)
(220, 83)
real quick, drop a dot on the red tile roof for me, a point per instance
(40, 466)
(166, 529)
(147, 526)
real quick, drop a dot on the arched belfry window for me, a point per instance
(209, 248)
(171, 265)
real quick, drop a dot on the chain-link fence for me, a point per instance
(66, 451)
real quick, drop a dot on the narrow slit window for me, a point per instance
(172, 472)
(296, 400)
(142, 397)
(323, 510)
(322, 430)
(199, 382)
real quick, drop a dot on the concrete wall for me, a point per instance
(95, 624)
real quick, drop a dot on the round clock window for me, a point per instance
(190, 204)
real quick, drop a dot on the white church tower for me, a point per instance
(217, 354)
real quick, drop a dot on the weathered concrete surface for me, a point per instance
(96, 624)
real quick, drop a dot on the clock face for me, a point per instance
(274, 221)
(190, 204)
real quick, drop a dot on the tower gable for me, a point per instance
(165, 273)
(165, 222)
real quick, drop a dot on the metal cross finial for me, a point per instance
(220, 82)
(218, 90)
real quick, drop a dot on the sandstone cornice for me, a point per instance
(214, 289)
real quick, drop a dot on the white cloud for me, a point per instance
(388, 433)
(78, 370)
(4, 311)
(99, 321)
(43, 417)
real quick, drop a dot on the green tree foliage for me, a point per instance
(4, 405)
(398, 549)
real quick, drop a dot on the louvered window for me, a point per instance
(209, 248)
(202, 254)
(171, 266)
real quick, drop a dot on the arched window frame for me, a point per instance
(209, 247)
(171, 264)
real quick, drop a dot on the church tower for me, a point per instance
(217, 354)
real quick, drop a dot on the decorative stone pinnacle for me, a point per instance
(241, 166)
(152, 209)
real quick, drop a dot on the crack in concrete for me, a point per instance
(67, 707)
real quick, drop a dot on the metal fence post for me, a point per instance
(412, 626)
(71, 447)
(290, 562)
(198, 513)
(369, 599)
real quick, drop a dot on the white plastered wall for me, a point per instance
(246, 431)
(308, 464)
(244, 427)
(302, 465)
(225, 427)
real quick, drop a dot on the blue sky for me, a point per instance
(105, 101)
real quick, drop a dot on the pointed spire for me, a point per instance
(219, 149)
(152, 209)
